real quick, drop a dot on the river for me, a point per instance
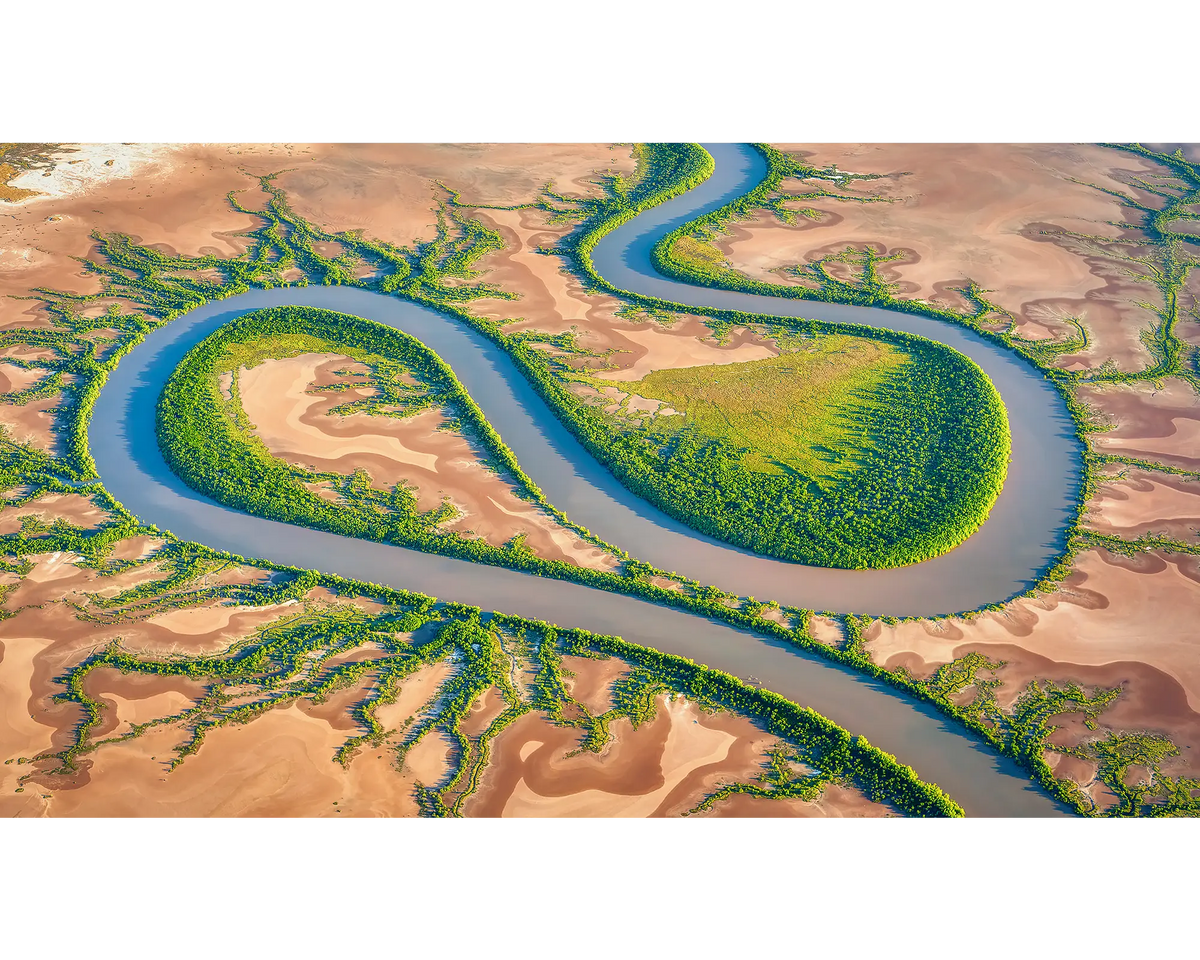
(122, 440)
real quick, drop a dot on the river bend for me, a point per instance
(1023, 532)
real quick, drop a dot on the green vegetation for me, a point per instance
(793, 412)
(913, 432)
(205, 437)
(1166, 260)
(687, 253)
(144, 288)
(1026, 732)
(1154, 794)
(701, 477)
(206, 441)
(845, 452)
(327, 647)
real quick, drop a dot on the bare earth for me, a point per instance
(1149, 423)
(1117, 621)
(1137, 502)
(663, 768)
(997, 215)
(277, 766)
(291, 413)
(553, 301)
(992, 213)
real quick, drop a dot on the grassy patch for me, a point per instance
(793, 414)
(851, 452)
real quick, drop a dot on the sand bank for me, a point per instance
(552, 300)
(993, 213)
(663, 768)
(293, 418)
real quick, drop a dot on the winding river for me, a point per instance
(1023, 532)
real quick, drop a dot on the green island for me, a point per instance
(844, 451)
(161, 287)
(687, 254)
(206, 438)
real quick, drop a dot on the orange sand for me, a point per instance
(986, 212)
(1113, 609)
(593, 680)
(416, 691)
(76, 510)
(663, 768)
(295, 424)
(552, 300)
(1148, 422)
(1143, 502)
(279, 765)
(32, 423)
(388, 190)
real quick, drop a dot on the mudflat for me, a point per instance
(1025, 223)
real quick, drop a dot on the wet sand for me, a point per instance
(593, 680)
(1142, 502)
(71, 507)
(281, 765)
(415, 692)
(129, 699)
(32, 423)
(44, 637)
(1112, 608)
(1149, 423)
(389, 189)
(483, 713)
(14, 379)
(429, 762)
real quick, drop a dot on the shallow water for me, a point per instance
(133, 470)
